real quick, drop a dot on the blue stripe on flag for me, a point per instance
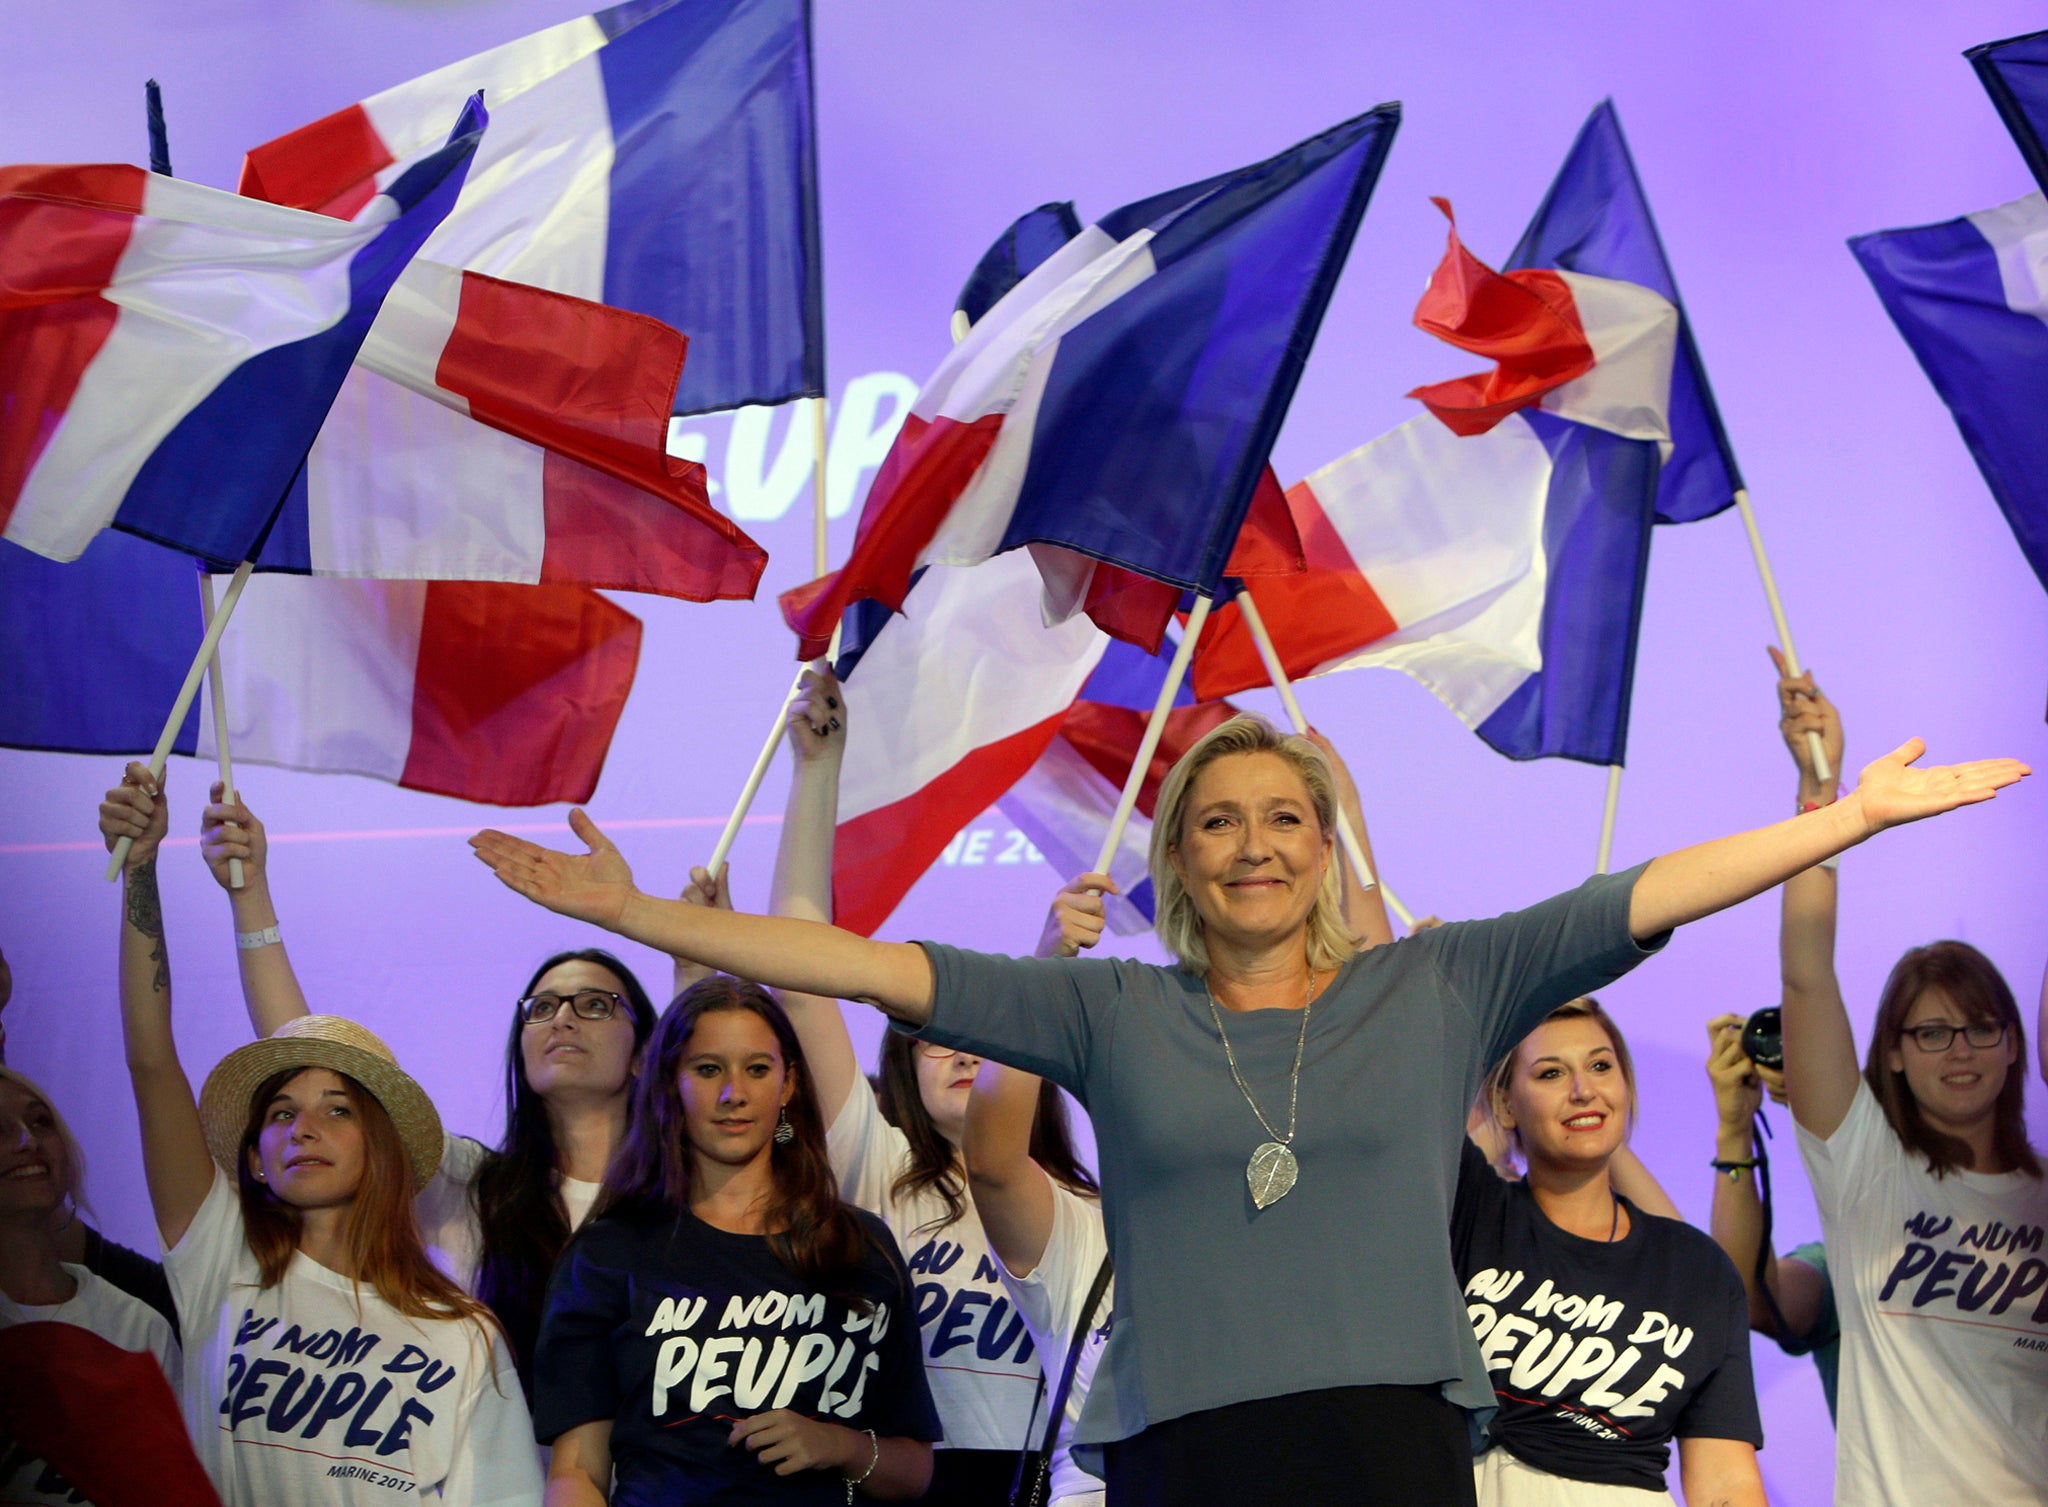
(1129, 677)
(714, 193)
(1941, 286)
(96, 650)
(1596, 219)
(1161, 409)
(216, 482)
(1596, 541)
(1017, 252)
(2015, 74)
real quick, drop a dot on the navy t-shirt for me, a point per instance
(1600, 1352)
(673, 1330)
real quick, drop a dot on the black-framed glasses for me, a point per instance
(589, 1004)
(1932, 1037)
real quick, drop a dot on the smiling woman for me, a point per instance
(327, 1359)
(1248, 1359)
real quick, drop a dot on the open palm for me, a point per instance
(1892, 792)
(593, 886)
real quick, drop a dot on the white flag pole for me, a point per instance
(1149, 744)
(214, 685)
(1607, 817)
(762, 760)
(1277, 673)
(162, 753)
(1821, 771)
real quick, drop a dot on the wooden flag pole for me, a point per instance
(1149, 744)
(214, 684)
(1277, 673)
(1818, 753)
(1607, 817)
(161, 755)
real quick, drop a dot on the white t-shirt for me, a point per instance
(115, 1317)
(1051, 1299)
(316, 1390)
(1942, 1289)
(446, 1208)
(978, 1354)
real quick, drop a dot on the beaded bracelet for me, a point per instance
(1732, 1167)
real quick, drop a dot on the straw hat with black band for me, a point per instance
(329, 1041)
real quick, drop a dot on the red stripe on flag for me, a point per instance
(1328, 610)
(62, 234)
(517, 692)
(925, 472)
(1526, 321)
(878, 856)
(330, 166)
(592, 385)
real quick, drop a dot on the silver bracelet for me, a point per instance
(249, 941)
(873, 1460)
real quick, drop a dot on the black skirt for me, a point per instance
(1358, 1446)
(971, 1478)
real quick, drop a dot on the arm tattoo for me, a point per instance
(146, 915)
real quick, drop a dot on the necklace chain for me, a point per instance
(1294, 1080)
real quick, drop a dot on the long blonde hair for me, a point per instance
(1176, 921)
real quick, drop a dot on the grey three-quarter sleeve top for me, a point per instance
(1346, 1281)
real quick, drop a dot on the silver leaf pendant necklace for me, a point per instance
(1273, 1170)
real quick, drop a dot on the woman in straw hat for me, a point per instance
(1288, 1325)
(326, 1357)
(496, 1218)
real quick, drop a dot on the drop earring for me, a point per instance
(784, 1131)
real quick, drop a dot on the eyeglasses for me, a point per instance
(589, 1004)
(1939, 1038)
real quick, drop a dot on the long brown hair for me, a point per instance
(934, 1165)
(522, 1224)
(817, 1236)
(384, 1243)
(1980, 991)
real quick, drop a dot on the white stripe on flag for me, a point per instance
(2018, 235)
(408, 115)
(320, 674)
(967, 665)
(1449, 533)
(1063, 805)
(1634, 335)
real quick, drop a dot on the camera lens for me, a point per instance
(1763, 1038)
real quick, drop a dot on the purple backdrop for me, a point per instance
(1765, 134)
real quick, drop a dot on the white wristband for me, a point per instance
(249, 941)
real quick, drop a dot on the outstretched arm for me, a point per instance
(228, 829)
(1697, 881)
(807, 956)
(175, 1161)
(1365, 910)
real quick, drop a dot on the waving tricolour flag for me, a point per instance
(1120, 403)
(1496, 548)
(658, 156)
(507, 695)
(1971, 298)
(168, 352)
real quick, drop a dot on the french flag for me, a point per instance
(1064, 802)
(493, 431)
(1496, 548)
(1970, 296)
(658, 156)
(168, 352)
(500, 694)
(1118, 405)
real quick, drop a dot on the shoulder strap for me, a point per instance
(1081, 1328)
